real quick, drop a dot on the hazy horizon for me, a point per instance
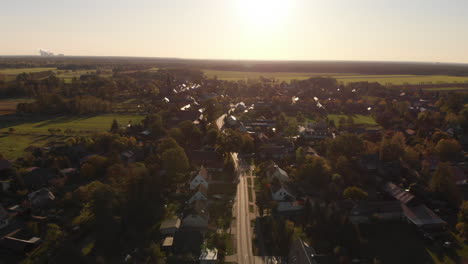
(258, 30)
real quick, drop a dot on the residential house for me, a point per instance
(302, 253)
(261, 139)
(364, 211)
(400, 194)
(127, 156)
(200, 194)
(313, 134)
(286, 207)
(208, 256)
(459, 175)
(69, 172)
(273, 151)
(423, 217)
(275, 172)
(210, 159)
(170, 226)
(168, 243)
(35, 177)
(198, 216)
(282, 192)
(231, 120)
(4, 217)
(200, 178)
(4, 165)
(19, 244)
(369, 162)
(41, 199)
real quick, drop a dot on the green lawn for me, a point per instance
(341, 77)
(13, 146)
(358, 119)
(97, 123)
(34, 131)
(21, 70)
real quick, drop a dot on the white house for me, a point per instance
(170, 226)
(281, 192)
(202, 177)
(4, 217)
(208, 256)
(278, 173)
(200, 194)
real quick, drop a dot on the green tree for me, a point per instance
(300, 117)
(176, 163)
(354, 193)
(114, 127)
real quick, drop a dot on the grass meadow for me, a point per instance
(34, 131)
(358, 119)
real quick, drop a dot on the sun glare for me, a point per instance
(264, 13)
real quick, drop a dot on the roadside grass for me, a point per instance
(251, 209)
(358, 119)
(17, 71)
(36, 125)
(249, 180)
(250, 194)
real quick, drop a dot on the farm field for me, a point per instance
(26, 70)
(358, 119)
(344, 78)
(446, 89)
(97, 123)
(281, 76)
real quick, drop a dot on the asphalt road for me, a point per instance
(241, 211)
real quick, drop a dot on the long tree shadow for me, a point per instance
(12, 120)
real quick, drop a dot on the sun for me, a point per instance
(263, 13)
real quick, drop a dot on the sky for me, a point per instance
(376, 30)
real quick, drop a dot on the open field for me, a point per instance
(344, 78)
(358, 119)
(8, 106)
(402, 79)
(34, 131)
(281, 76)
(97, 123)
(13, 146)
(21, 70)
